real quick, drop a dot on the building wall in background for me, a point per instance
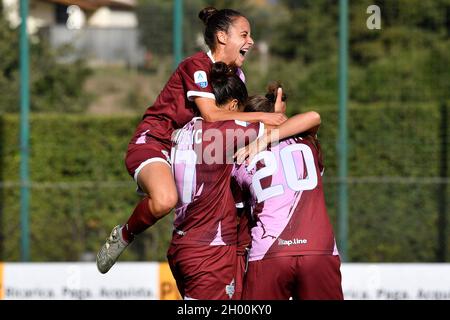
(105, 17)
(43, 14)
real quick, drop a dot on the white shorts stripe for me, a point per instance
(146, 162)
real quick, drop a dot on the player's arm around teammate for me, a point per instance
(187, 94)
(202, 253)
(307, 122)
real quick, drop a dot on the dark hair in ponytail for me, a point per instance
(226, 84)
(215, 21)
(260, 103)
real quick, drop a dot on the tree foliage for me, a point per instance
(402, 62)
(156, 26)
(54, 86)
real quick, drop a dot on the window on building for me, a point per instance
(61, 14)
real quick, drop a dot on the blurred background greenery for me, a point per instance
(84, 111)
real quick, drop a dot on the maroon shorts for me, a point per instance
(240, 273)
(139, 155)
(203, 272)
(313, 277)
(144, 148)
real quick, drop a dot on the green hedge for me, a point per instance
(390, 219)
(81, 188)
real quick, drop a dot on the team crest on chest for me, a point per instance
(200, 79)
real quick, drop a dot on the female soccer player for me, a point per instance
(202, 254)
(187, 93)
(293, 250)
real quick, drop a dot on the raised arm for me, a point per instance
(303, 122)
(211, 113)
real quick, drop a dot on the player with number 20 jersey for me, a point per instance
(293, 251)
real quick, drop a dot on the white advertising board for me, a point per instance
(396, 281)
(80, 281)
(152, 280)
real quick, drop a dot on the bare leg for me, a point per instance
(157, 181)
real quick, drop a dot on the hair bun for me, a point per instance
(272, 89)
(221, 71)
(206, 13)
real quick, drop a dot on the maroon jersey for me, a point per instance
(240, 196)
(175, 106)
(202, 161)
(288, 203)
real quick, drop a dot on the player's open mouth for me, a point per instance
(243, 52)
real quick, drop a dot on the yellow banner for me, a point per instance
(167, 286)
(2, 288)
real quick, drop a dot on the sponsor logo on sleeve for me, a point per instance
(200, 79)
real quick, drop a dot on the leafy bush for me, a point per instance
(54, 87)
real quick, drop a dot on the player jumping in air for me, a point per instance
(188, 93)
